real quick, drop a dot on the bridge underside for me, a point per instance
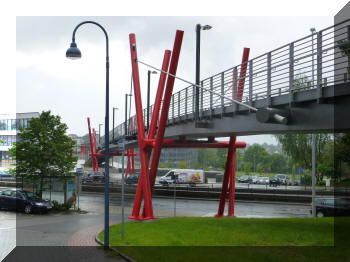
(331, 114)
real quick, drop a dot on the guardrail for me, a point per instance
(311, 62)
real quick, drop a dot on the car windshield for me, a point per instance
(30, 195)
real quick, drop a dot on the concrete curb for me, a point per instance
(126, 257)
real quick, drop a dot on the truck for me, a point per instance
(183, 176)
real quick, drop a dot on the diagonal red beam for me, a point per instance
(166, 104)
(144, 180)
(226, 177)
(91, 144)
(95, 149)
(242, 74)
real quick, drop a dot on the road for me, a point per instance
(67, 230)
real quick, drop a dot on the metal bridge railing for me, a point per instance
(311, 62)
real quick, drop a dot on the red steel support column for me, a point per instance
(242, 74)
(95, 150)
(91, 145)
(144, 180)
(231, 204)
(166, 104)
(156, 110)
(226, 177)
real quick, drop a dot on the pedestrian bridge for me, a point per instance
(303, 86)
(307, 81)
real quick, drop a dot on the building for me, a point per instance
(9, 124)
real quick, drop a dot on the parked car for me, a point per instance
(263, 180)
(97, 177)
(296, 182)
(22, 200)
(332, 207)
(274, 182)
(245, 179)
(255, 179)
(284, 179)
(86, 178)
(132, 179)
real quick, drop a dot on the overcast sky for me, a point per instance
(46, 80)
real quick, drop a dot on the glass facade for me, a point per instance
(8, 139)
(13, 124)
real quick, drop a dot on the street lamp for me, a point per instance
(99, 133)
(148, 94)
(74, 53)
(198, 51)
(114, 108)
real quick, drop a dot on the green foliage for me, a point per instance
(183, 164)
(298, 147)
(61, 207)
(169, 164)
(257, 155)
(44, 149)
(279, 163)
(162, 165)
(207, 157)
(248, 167)
(2, 141)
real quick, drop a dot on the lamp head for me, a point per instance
(312, 29)
(207, 27)
(154, 72)
(73, 52)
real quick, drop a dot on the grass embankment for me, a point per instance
(213, 239)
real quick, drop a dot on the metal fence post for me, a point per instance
(178, 105)
(193, 98)
(201, 99)
(251, 82)
(235, 88)
(268, 98)
(186, 96)
(222, 92)
(291, 73)
(211, 97)
(319, 66)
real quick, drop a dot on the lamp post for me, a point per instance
(198, 52)
(114, 108)
(74, 53)
(99, 133)
(148, 94)
(313, 158)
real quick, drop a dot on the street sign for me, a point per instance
(121, 144)
(79, 170)
(300, 170)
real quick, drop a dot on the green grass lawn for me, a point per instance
(207, 231)
(227, 239)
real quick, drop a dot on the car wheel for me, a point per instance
(319, 214)
(28, 209)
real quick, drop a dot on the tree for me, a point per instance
(43, 149)
(256, 154)
(278, 163)
(247, 167)
(207, 157)
(298, 147)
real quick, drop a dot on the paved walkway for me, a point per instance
(7, 233)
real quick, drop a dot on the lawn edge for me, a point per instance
(123, 255)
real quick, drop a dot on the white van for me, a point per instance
(183, 176)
